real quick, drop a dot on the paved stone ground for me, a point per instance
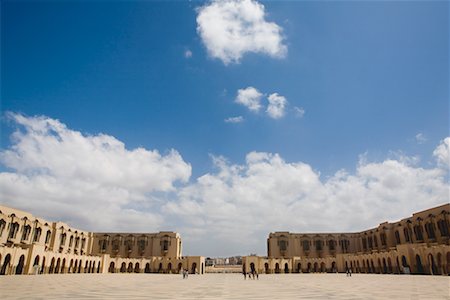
(224, 286)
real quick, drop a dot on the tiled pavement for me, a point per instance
(224, 286)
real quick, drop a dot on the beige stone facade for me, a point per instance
(30, 245)
(418, 244)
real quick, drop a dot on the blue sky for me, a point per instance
(371, 77)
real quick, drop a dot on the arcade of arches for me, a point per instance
(30, 245)
(415, 245)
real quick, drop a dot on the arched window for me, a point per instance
(375, 241)
(305, 245)
(37, 234)
(407, 235)
(397, 237)
(62, 240)
(429, 227)
(443, 227)
(26, 232)
(318, 244)
(418, 232)
(71, 241)
(2, 226)
(13, 230)
(283, 245)
(364, 243)
(383, 238)
(47, 236)
(331, 245)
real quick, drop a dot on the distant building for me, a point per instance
(30, 245)
(418, 244)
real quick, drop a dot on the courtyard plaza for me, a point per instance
(224, 286)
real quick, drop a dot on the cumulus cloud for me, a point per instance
(442, 153)
(231, 28)
(249, 97)
(91, 179)
(238, 119)
(93, 182)
(239, 204)
(276, 106)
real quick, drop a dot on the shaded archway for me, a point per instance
(63, 266)
(439, 264)
(316, 267)
(252, 268)
(52, 266)
(379, 267)
(43, 265)
(277, 268)
(286, 268)
(384, 266)
(86, 267)
(58, 263)
(333, 267)
(180, 266)
(299, 268)
(433, 269)
(80, 262)
(169, 268)
(137, 268)
(369, 269)
(266, 268)
(419, 266)
(19, 268)
(160, 268)
(389, 265)
(70, 270)
(112, 267)
(147, 268)
(194, 268)
(130, 267)
(35, 265)
(323, 268)
(5, 266)
(123, 267)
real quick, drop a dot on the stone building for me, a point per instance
(418, 244)
(30, 245)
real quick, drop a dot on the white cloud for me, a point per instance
(231, 28)
(188, 54)
(442, 153)
(249, 97)
(238, 119)
(92, 180)
(95, 183)
(240, 204)
(420, 138)
(299, 112)
(276, 106)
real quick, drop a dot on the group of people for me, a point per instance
(185, 273)
(251, 275)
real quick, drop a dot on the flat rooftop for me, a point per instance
(224, 286)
